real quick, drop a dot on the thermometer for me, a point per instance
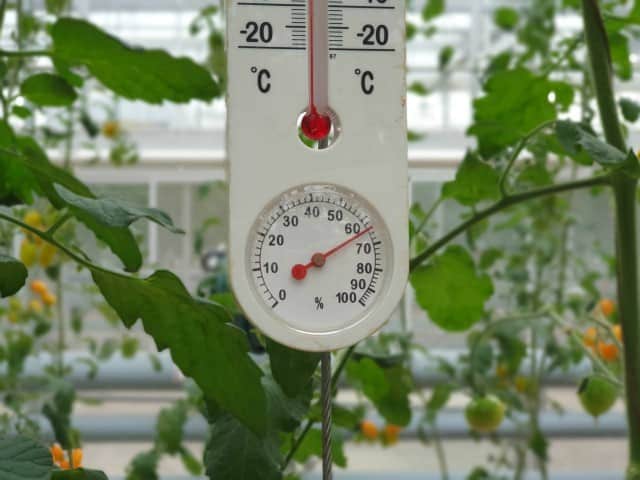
(317, 167)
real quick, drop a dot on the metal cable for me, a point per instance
(326, 399)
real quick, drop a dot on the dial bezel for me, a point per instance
(346, 199)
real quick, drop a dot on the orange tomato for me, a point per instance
(369, 430)
(391, 434)
(57, 453)
(76, 458)
(39, 287)
(590, 337)
(608, 351)
(617, 331)
(607, 307)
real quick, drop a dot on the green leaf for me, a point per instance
(134, 73)
(445, 56)
(387, 388)
(451, 290)
(630, 110)
(13, 275)
(439, 398)
(419, 88)
(233, 452)
(506, 18)
(285, 413)
(576, 138)
(202, 341)
(46, 175)
(22, 458)
(515, 102)
(311, 446)
(58, 411)
(48, 90)
(620, 55)
(170, 426)
(143, 466)
(432, 9)
(78, 474)
(292, 369)
(475, 181)
(113, 212)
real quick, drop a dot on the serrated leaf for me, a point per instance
(292, 369)
(22, 458)
(451, 290)
(285, 412)
(113, 212)
(199, 334)
(515, 102)
(233, 452)
(311, 446)
(13, 275)
(630, 110)
(46, 175)
(48, 90)
(134, 73)
(387, 388)
(475, 181)
(575, 138)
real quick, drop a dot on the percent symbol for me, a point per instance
(319, 303)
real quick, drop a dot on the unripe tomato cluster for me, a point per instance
(389, 435)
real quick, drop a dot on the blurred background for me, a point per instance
(173, 157)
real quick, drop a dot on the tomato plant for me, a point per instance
(512, 298)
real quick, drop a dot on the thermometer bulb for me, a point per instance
(315, 126)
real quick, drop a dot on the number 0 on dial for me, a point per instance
(318, 258)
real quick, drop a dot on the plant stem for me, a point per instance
(503, 204)
(335, 378)
(440, 453)
(58, 224)
(516, 153)
(24, 53)
(626, 231)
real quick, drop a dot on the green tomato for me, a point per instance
(597, 395)
(485, 414)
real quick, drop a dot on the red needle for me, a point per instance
(299, 271)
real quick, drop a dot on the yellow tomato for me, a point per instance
(36, 306)
(33, 219)
(111, 129)
(590, 337)
(47, 255)
(617, 331)
(49, 299)
(28, 253)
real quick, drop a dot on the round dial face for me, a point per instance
(319, 257)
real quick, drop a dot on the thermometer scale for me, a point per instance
(318, 167)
